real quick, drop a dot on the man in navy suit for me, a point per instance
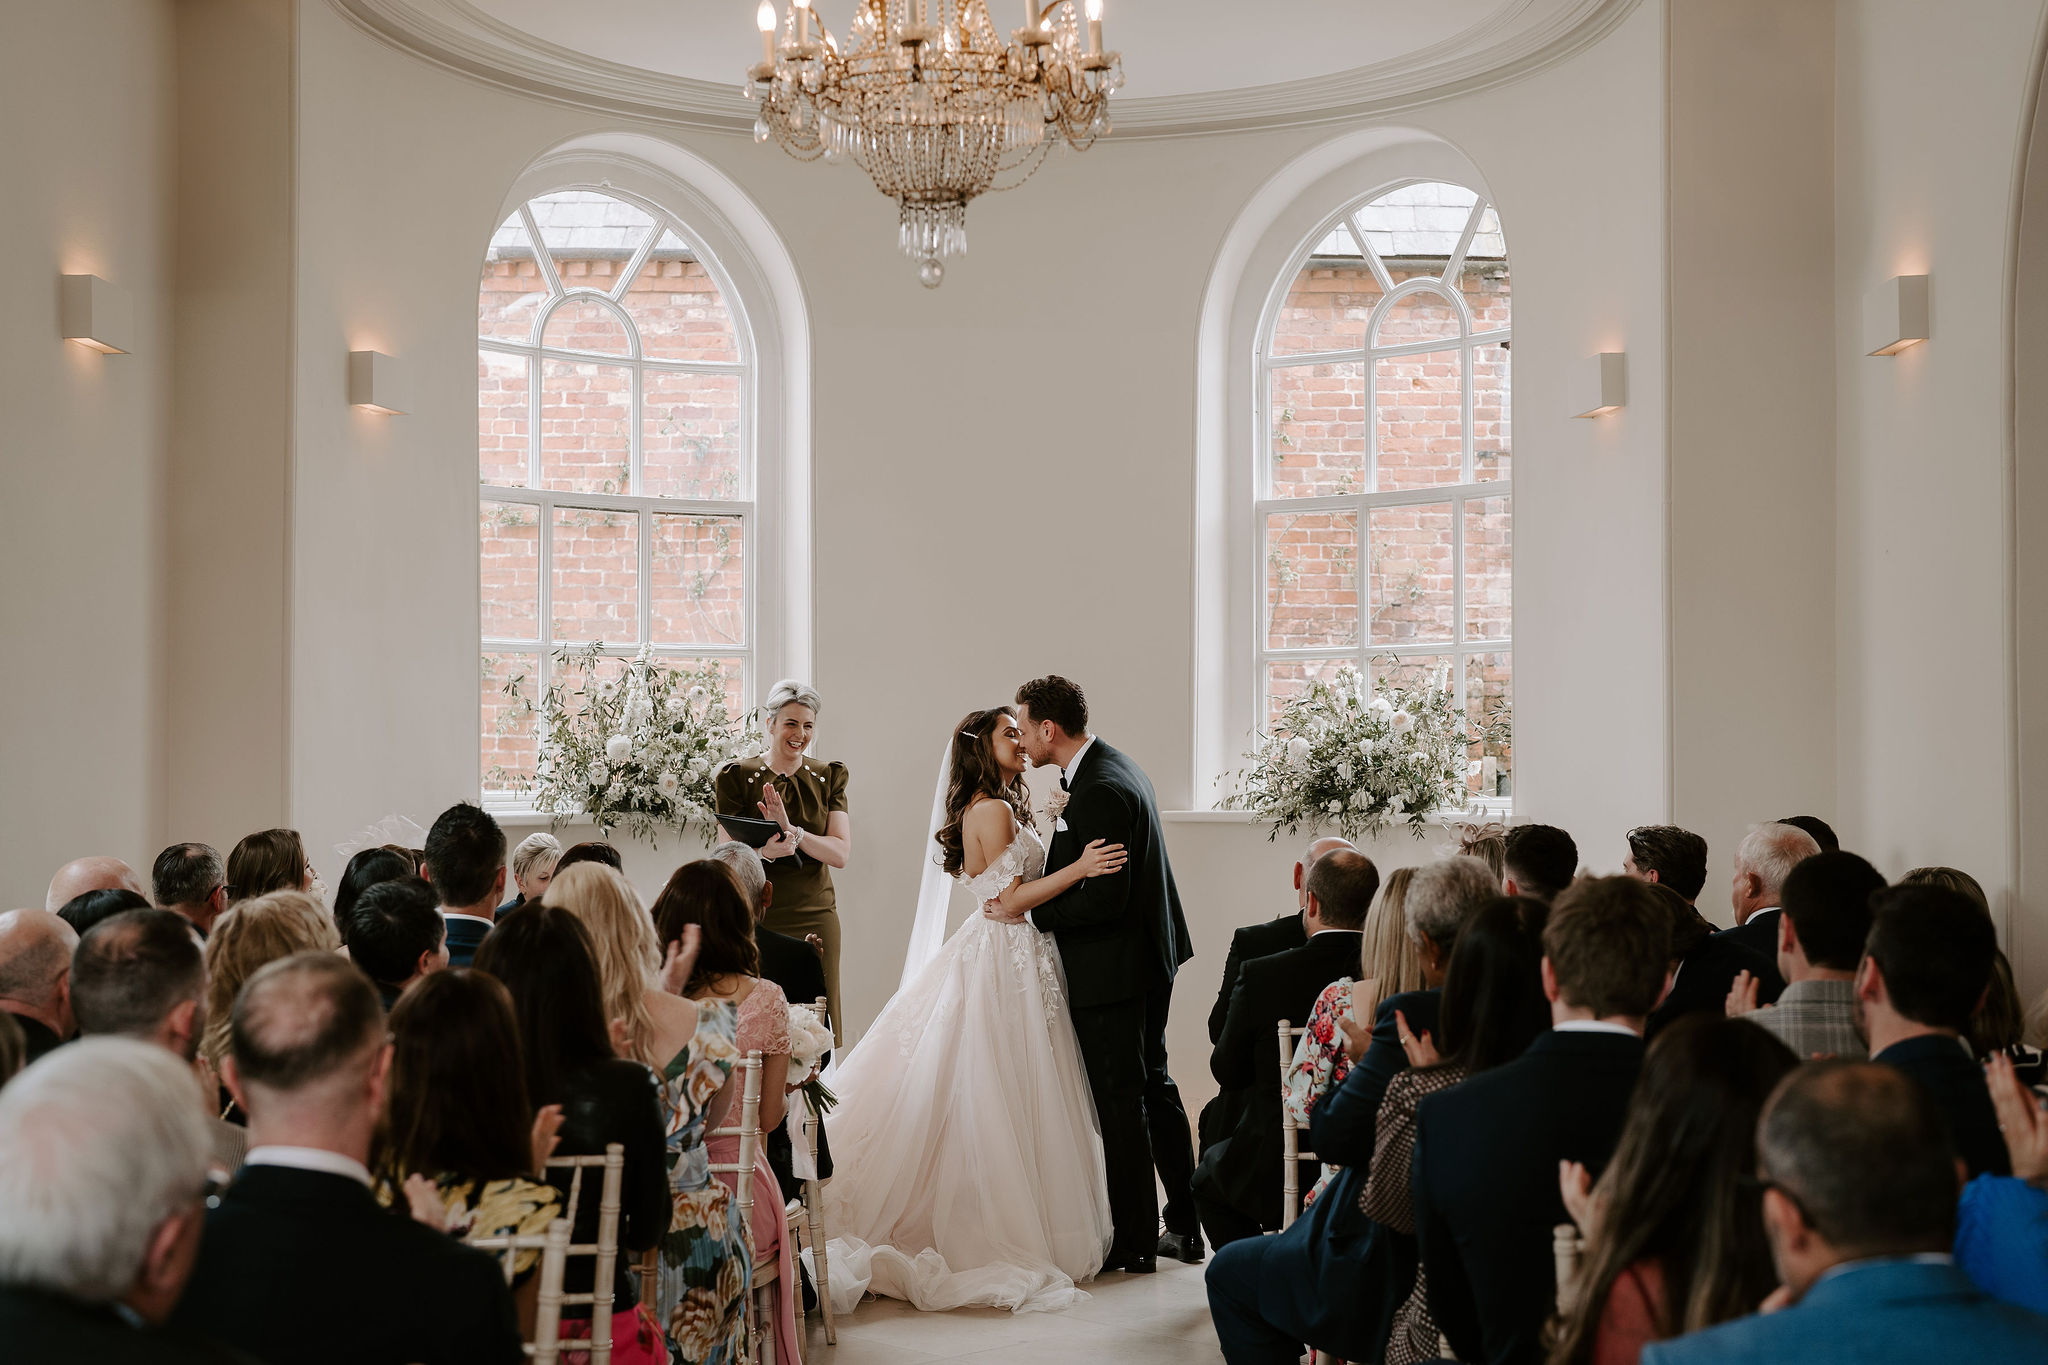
(1764, 858)
(466, 863)
(1860, 1206)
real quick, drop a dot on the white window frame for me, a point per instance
(1360, 504)
(545, 501)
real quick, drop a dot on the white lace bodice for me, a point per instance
(1025, 857)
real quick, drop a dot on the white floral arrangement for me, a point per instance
(1361, 757)
(636, 752)
(809, 1041)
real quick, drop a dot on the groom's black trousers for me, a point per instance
(1144, 1125)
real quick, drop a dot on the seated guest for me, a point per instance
(1764, 858)
(81, 875)
(192, 880)
(1668, 856)
(1859, 1202)
(141, 975)
(1270, 936)
(396, 935)
(365, 870)
(466, 863)
(657, 1022)
(1820, 941)
(1488, 843)
(1925, 968)
(102, 1178)
(1704, 966)
(533, 867)
(1237, 1184)
(309, 1062)
(1674, 1236)
(590, 851)
(35, 977)
(548, 964)
(1819, 830)
(250, 936)
(82, 912)
(269, 860)
(1538, 861)
(1999, 1025)
(1487, 1151)
(2002, 1220)
(1392, 963)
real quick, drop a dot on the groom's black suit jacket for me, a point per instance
(1122, 934)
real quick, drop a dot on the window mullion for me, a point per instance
(535, 406)
(646, 570)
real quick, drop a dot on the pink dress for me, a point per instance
(764, 1028)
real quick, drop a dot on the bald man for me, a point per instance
(35, 977)
(81, 875)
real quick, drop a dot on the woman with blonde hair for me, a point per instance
(1488, 843)
(650, 1024)
(250, 936)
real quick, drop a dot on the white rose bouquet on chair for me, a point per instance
(809, 1041)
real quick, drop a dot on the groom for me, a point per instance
(1122, 938)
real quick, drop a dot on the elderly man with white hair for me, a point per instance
(99, 873)
(35, 977)
(103, 1153)
(1766, 857)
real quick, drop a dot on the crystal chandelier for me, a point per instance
(934, 111)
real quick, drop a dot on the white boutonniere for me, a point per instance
(1055, 804)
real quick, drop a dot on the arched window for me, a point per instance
(615, 446)
(1383, 504)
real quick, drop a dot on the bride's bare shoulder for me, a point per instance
(989, 817)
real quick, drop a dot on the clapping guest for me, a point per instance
(35, 977)
(1820, 941)
(192, 880)
(465, 861)
(533, 867)
(1674, 1232)
(365, 870)
(1392, 963)
(82, 912)
(81, 875)
(1764, 858)
(2002, 1221)
(270, 860)
(1999, 1025)
(654, 1024)
(396, 935)
(1704, 966)
(1538, 861)
(250, 936)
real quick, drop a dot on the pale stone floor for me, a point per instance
(1160, 1319)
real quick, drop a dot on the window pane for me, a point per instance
(584, 324)
(1484, 287)
(699, 580)
(513, 288)
(1311, 580)
(1414, 670)
(596, 576)
(1426, 316)
(678, 308)
(1417, 221)
(1318, 429)
(591, 236)
(504, 418)
(511, 571)
(690, 435)
(510, 689)
(1489, 696)
(1492, 415)
(1285, 681)
(1409, 584)
(1330, 302)
(1489, 568)
(1419, 420)
(584, 416)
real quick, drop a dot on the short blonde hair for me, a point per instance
(789, 691)
(251, 935)
(534, 849)
(622, 932)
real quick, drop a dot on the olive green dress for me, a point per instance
(804, 901)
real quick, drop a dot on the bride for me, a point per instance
(969, 1161)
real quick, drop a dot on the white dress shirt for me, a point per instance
(1594, 1026)
(1067, 772)
(309, 1159)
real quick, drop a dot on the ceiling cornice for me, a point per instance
(1518, 38)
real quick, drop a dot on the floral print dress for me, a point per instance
(705, 1262)
(1320, 1066)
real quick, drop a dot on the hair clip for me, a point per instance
(967, 734)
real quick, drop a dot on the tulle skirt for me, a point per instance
(968, 1159)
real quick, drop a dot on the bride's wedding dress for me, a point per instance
(969, 1165)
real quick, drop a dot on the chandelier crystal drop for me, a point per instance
(935, 107)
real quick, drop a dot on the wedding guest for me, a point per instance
(2000, 1023)
(2001, 1220)
(35, 978)
(1819, 830)
(309, 1062)
(590, 851)
(1538, 861)
(142, 975)
(270, 860)
(1668, 856)
(1270, 936)
(808, 800)
(1820, 941)
(1392, 962)
(1674, 1236)
(1238, 1181)
(416, 856)
(1488, 843)
(365, 870)
(1764, 858)
(547, 961)
(396, 935)
(1859, 1203)
(81, 875)
(1924, 969)
(1487, 1151)
(250, 936)
(465, 861)
(102, 1174)
(84, 911)
(657, 1024)
(192, 880)
(533, 865)
(705, 896)
(1704, 966)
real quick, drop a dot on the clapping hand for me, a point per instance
(1419, 1047)
(1577, 1189)
(1742, 995)
(425, 1203)
(2020, 1119)
(547, 1127)
(681, 962)
(1357, 1037)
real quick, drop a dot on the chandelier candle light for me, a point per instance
(934, 110)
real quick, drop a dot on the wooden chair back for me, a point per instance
(1291, 1154)
(741, 1168)
(605, 1250)
(546, 1346)
(1569, 1248)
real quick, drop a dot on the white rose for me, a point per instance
(697, 766)
(1343, 770)
(617, 748)
(1365, 746)
(1297, 751)
(1359, 801)
(696, 694)
(1381, 706)
(1336, 808)
(1396, 805)
(668, 784)
(599, 774)
(1401, 723)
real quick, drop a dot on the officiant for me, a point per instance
(805, 800)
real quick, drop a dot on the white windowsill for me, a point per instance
(1487, 808)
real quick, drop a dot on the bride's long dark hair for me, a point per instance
(976, 774)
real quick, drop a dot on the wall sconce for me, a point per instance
(1895, 315)
(1599, 384)
(375, 383)
(96, 314)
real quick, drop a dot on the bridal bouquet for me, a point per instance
(809, 1041)
(1360, 757)
(637, 751)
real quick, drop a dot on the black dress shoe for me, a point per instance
(1181, 1246)
(1136, 1265)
